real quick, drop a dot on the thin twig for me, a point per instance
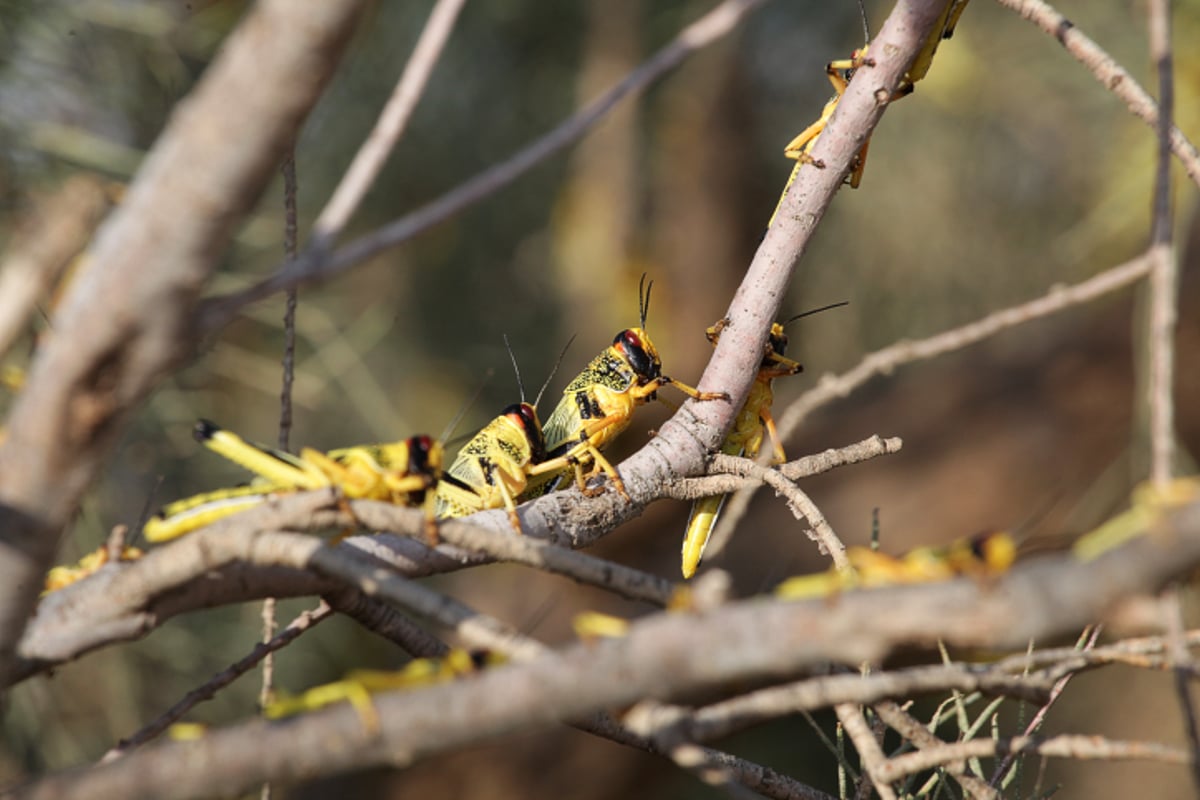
(374, 152)
(911, 730)
(1108, 72)
(1035, 724)
(884, 361)
(217, 682)
(1183, 663)
(319, 266)
(1164, 278)
(1065, 746)
(689, 489)
(870, 754)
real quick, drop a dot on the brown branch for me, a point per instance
(662, 656)
(722, 719)
(1164, 277)
(870, 754)
(216, 683)
(914, 732)
(1108, 72)
(1066, 746)
(390, 126)
(127, 318)
(689, 489)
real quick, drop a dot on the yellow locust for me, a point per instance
(402, 472)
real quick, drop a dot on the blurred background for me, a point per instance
(1008, 171)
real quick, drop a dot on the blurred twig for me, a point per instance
(1108, 72)
(388, 129)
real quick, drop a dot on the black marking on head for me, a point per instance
(205, 430)
(634, 350)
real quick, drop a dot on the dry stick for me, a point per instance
(913, 731)
(125, 321)
(661, 656)
(870, 754)
(729, 716)
(1035, 724)
(374, 152)
(884, 361)
(285, 406)
(805, 467)
(1164, 278)
(319, 265)
(1065, 746)
(1108, 72)
(222, 679)
(42, 249)
(801, 505)
(1183, 672)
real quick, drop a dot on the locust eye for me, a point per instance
(633, 348)
(523, 415)
(418, 452)
(778, 343)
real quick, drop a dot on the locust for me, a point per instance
(599, 403)
(745, 437)
(799, 149)
(492, 470)
(358, 686)
(983, 556)
(403, 472)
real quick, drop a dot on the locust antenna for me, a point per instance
(862, 10)
(553, 370)
(644, 299)
(449, 429)
(812, 311)
(513, 357)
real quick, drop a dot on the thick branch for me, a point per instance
(125, 320)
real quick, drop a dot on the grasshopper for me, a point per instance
(746, 436)
(841, 71)
(494, 467)
(982, 557)
(598, 405)
(356, 688)
(402, 472)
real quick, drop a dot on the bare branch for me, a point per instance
(127, 318)
(663, 655)
(869, 752)
(1108, 72)
(1080, 747)
(374, 152)
(216, 683)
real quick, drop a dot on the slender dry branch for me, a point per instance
(374, 152)
(690, 489)
(801, 505)
(126, 319)
(216, 683)
(1079, 747)
(318, 265)
(1108, 72)
(883, 362)
(913, 731)
(1164, 277)
(870, 754)
(41, 250)
(662, 656)
(721, 719)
